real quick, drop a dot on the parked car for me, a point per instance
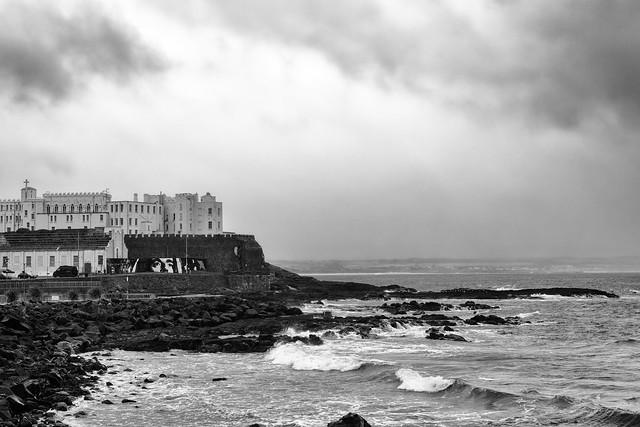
(9, 274)
(66, 271)
(25, 275)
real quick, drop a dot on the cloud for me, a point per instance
(557, 63)
(46, 54)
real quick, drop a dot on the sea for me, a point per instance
(576, 362)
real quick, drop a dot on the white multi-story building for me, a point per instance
(185, 213)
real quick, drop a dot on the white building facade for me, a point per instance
(186, 213)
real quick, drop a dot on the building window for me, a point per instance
(53, 228)
(174, 216)
(100, 259)
(48, 209)
(101, 217)
(5, 262)
(218, 225)
(180, 206)
(210, 211)
(88, 207)
(96, 208)
(136, 221)
(136, 208)
(111, 208)
(180, 226)
(111, 221)
(76, 260)
(79, 208)
(129, 208)
(64, 208)
(121, 207)
(28, 261)
(210, 225)
(130, 221)
(55, 209)
(154, 209)
(147, 208)
(121, 221)
(52, 261)
(72, 209)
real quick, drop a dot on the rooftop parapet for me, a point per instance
(101, 193)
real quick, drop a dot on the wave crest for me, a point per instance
(311, 358)
(413, 381)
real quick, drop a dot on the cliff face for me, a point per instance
(222, 253)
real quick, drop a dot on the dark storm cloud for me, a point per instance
(46, 54)
(563, 63)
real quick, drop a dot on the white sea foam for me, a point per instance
(413, 381)
(507, 288)
(525, 315)
(311, 358)
(400, 330)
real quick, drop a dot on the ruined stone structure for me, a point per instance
(223, 253)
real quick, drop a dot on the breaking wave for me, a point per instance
(311, 358)
(413, 381)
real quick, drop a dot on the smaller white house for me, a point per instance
(41, 252)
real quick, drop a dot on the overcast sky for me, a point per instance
(340, 129)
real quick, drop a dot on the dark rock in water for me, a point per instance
(488, 320)
(435, 334)
(107, 402)
(60, 406)
(128, 401)
(471, 305)
(350, 420)
(218, 379)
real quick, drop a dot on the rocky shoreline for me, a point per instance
(39, 341)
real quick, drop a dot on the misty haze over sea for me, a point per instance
(460, 266)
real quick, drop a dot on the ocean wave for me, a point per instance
(311, 358)
(507, 288)
(413, 381)
(607, 416)
(399, 329)
(525, 315)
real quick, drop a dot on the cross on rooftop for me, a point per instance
(26, 183)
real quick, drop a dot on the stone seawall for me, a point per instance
(153, 283)
(181, 284)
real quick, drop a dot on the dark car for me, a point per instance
(66, 271)
(25, 275)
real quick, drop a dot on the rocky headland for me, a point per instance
(39, 342)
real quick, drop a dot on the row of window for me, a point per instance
(134, 208)
(72, 208)
(40, 259)
(69, 218)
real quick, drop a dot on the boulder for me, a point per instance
(490, 319)
(350, 420)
